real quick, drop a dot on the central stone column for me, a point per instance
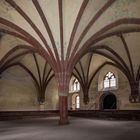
(63, 106)
(63, 90)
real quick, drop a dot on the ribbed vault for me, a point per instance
(37, 68)
(63, 31)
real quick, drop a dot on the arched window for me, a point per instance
(109, 80)
(76, 85)
(77, 102)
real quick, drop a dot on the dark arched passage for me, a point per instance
(108, 101)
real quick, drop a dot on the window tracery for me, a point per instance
(109, 80)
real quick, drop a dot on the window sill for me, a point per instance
(74, 91)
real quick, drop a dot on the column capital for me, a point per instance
(63, 74)
(63, 79)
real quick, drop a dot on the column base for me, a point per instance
(63, 122)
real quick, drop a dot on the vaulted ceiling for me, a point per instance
(63, 31)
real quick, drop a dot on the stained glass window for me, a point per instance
(109, 80)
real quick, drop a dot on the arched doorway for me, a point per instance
(108, 101)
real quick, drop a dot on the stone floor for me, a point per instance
(78, 129)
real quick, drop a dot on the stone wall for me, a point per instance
(96, 92)
(17, 92)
